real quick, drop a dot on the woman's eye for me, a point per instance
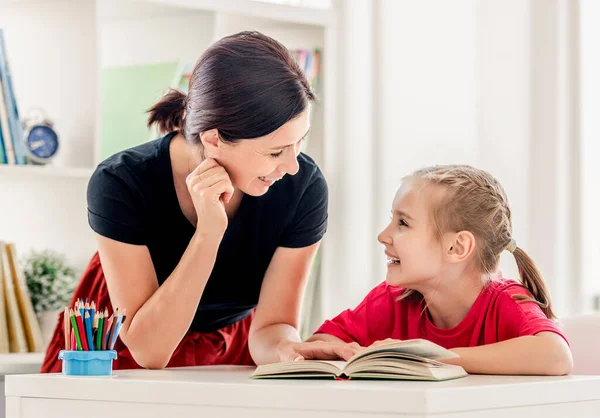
(402, 222)
(279, 154)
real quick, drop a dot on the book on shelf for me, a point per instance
(12, 131)
(4, 340)
(19, 327)
(399, 360)
(31, 324)
(16, 330)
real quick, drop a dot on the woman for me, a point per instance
(206, 235)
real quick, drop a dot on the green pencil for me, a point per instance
(99, 332)
(76, 331)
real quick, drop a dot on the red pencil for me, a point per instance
(81, 329)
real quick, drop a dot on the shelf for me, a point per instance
(285, 13)
(20, 363)
(22, 171)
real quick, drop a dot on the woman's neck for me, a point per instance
(450, 299)
(184, 159)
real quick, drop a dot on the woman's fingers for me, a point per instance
(205, 165)
(221, 189)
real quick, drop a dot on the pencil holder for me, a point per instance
(87, 363)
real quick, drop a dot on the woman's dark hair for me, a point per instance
(245, 85)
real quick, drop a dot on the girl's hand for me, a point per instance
(316, 350)
(210, 187)
(384, 342)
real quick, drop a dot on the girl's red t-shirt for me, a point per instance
(495, 316)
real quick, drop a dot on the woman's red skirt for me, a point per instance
(228, 345)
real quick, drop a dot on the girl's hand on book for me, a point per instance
(210, 187)
(317, 350)
(384, 342)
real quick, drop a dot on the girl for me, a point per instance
(449, 225)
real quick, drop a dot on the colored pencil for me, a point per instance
(76, 331)
(99, 331)
(88, 331)
(117, 329)
(92, 310)
(67, 328)
(73, 343)
(81, 331)
(107, 332)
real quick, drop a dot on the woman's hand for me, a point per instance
(210, 187)
(316, 350)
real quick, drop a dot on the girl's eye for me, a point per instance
(279, 154)
(402, 222)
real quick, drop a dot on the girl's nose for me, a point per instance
(384, 237)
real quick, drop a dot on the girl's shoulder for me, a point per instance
(505, 287)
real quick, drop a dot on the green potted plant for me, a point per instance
(51, 283)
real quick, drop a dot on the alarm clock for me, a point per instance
(39, 137)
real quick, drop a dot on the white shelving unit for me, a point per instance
(310, 16)
(33, 171)
(20, 363)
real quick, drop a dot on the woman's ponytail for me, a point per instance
(533, 281)
(168, 113)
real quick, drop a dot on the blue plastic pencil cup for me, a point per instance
(87, 363)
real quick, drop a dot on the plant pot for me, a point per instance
(48, 321)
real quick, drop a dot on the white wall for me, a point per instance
(503, 107)
(590, 153)
(427, 75)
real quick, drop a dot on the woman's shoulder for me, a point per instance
(143, 158)
(308, 169)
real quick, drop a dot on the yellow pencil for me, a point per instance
(67, 327)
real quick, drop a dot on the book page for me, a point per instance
(416, 347)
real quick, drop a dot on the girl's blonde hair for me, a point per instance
(473, 200)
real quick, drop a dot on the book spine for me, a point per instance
(9, 152)
(11, 104)
(31, 324)
(16, 332)
(3, 159)
(4, 340)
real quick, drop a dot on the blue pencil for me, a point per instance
(88, 331)
(117, 329)
(92, 311)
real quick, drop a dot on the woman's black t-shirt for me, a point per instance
(132, 199)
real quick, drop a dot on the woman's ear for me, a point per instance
(210, 142)
(459, 246)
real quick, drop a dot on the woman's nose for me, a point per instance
(291, 166)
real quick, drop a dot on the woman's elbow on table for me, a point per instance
(145, 354)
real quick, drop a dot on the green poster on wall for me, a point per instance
(127, 92)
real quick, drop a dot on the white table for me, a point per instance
(226, 391)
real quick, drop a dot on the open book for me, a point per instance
(401, 360)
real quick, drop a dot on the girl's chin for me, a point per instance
(393, 280)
